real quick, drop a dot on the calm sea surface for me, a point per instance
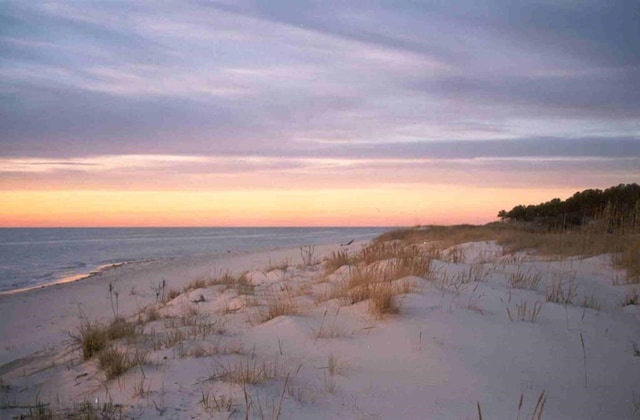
(32, 257)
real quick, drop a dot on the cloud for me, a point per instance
(331, 87)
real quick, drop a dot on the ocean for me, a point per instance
(30, 257)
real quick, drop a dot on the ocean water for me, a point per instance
(37, 256)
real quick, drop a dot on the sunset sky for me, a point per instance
(271, 113)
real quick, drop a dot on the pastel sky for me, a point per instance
(218, 113)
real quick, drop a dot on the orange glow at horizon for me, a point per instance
(328, 207)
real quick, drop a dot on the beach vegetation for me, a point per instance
(242, 282)
(336, 260)
(307, 253)
(210, 403)
(523, 279)
(614, 209)
(197, 283)
(94, 337)
(249, 371)
(613, 229)
(171, 294)
(336, 366)
(279, 304)
(114, 362)
(524, 312)
(562, 288)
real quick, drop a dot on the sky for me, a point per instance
(312, 113)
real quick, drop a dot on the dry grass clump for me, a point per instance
(210, 403)
(197, 283)
(331, 330)
(525, 312)
(249, 371)
(171, 294)
(336, 260)
(196, 325)
(592, 303)
(448, 236)
(373, 284)
(242, 283)
(380, 251)
(382, 300)
(393, 269)
(115, 362)
(335, 365)
(94, 337)
(97, 340)
(211, 349)
(152, 314)
(418, 265)
(376, 268)
(562, 288)
(278, 305)
(524, 280)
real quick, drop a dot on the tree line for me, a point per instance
(618, 207)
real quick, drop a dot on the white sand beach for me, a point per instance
(477, 331)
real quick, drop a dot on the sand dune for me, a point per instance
(271, 336)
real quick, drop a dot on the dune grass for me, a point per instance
(591, 240)
(114, 362)
(336, 260)
(279, 305)
(95, 337)
(373, 273)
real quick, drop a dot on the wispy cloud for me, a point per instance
(320, 93)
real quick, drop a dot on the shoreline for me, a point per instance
(67, 279)
(62, 275)
(87, 296)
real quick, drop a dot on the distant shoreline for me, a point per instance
(67, 279)
(33, 258)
